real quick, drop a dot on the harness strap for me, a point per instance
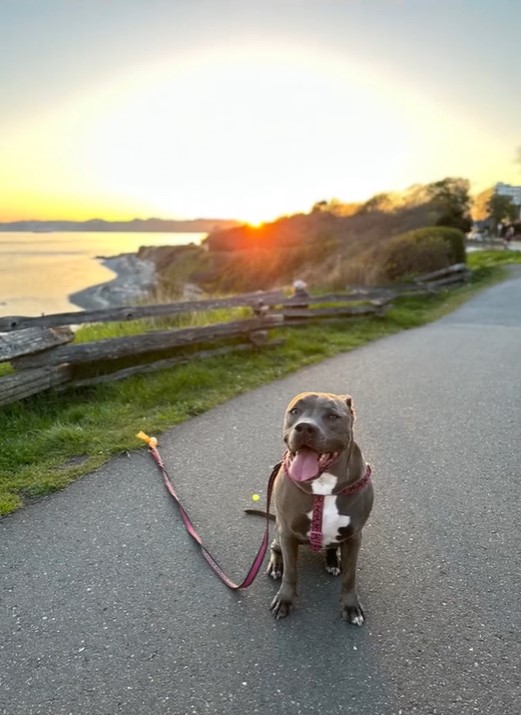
(257, 562)
(360, 484)
(315, 534)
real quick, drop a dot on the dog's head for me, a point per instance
(318, 427)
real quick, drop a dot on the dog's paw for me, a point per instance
(281, 606)
(276, 574)
(275, 566)
(354, 615)
(333, 570)
(333, 565)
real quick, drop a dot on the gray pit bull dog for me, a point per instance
(323, 496)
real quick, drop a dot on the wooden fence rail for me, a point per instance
(43, 353)
(137, 312)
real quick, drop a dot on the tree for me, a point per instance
(319, 207)
(378, 202)
(501, 208)
(450, 198)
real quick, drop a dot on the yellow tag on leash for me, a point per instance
(151, 441)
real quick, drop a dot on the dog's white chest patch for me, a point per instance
(324, 484)
(332, 521)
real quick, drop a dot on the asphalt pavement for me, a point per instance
(107, 606)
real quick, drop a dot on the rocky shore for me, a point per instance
(135, 278)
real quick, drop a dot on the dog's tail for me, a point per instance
(259, 512)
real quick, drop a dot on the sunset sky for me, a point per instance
(250, 109)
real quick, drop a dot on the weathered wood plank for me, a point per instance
(32, 340)
(115, 348)
(137, 312)
(30, 382)
(453, 280)
(358, 294)
(303, 314)
(345, 300)
(167, 363)
(442, 272)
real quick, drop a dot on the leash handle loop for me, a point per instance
(257, 562)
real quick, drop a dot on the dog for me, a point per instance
(323, 496)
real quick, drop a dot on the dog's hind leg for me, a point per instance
(333, 560)
(275, 564)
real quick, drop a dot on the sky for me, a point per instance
(250, 109)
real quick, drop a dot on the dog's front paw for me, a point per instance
(352, 611)
(275, 565)
(282, 604)
(354, 615)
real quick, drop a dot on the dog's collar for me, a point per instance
(360, 484)
(315, 534)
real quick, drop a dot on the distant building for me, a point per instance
(513, 191)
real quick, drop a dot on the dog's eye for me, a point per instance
(293, 411)
(333, 416)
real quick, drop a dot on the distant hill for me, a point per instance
(361, 226)
(149, 225)
(330, 247)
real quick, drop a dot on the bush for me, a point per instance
(420, 251)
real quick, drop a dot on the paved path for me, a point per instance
(108, 608)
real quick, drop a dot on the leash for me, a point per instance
(257, 562)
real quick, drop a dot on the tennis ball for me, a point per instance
(255, 497)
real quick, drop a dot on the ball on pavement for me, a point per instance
(255, 497)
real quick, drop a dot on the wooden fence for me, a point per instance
(43, 354)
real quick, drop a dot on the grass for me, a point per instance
(53, 438)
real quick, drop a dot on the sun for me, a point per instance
(240, 133)
(255, 224)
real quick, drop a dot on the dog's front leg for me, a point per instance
(351, 608)
(287, 593)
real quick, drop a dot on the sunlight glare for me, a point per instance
(246, 139)
(242, 133)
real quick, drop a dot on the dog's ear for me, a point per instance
(350, 405)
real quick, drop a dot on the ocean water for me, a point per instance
(38, 271)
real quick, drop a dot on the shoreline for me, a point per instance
(134, 280)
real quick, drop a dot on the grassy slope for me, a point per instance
(51, 439)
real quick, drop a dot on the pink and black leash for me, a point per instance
(257, 562)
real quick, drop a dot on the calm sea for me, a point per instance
(38, 271)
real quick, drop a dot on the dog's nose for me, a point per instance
(306, 428)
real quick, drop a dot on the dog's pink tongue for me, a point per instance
(304, 465)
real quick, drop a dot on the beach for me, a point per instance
(135, 278)
(46, 273)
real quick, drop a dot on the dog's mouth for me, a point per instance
(305, 463)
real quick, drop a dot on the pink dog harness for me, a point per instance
(315, 534)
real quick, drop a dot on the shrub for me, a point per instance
(420, 251)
